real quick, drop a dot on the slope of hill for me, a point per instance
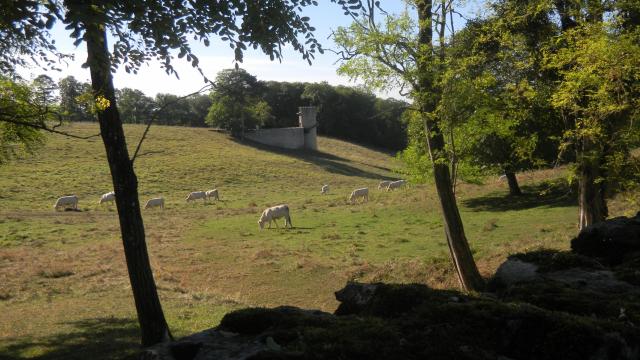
(64, 284)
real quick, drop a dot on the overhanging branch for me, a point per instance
(43, 126)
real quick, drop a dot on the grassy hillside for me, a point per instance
(64, 287)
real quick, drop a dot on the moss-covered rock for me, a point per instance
(613, 241)
(549, 260)
(257, 320)
(416, 322)
(574, 284)
(555, 296)
(389, 300)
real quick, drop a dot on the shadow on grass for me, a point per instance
(556, 193)
(98, 338)
(329, 162)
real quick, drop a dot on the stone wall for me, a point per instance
(288, 138)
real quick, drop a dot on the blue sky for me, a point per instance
(151, 79)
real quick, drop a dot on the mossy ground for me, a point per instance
(438, 325)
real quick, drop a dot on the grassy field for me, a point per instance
(64, 290)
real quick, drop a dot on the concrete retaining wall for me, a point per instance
(307, 120)
(288, 138)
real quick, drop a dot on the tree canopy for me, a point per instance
(236, 105)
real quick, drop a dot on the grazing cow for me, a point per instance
(155, 202)
(197, 195)
(383, 184)
(212, 194)
(324, 190)
(359, 193)
(396, 184)
(66, 201)
(108, 197)
(273, 213)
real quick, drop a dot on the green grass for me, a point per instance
(65, 289)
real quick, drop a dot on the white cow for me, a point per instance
(155, 202)
(197, 195)
(383, 184)
(359, 193)
(273, 213)
(212, 194)
(324, 190)
(396, 184)
(108, 197)
(66, 201)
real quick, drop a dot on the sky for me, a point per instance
(151, 78)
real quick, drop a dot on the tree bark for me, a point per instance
(466, 269)
(468, 274)
(153, 325)
(512, 180)
(592, 190)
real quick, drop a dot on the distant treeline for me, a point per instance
(344, 112)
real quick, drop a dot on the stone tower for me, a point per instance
(307, 116)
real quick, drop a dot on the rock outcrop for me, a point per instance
(612, 241)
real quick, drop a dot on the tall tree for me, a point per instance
(390, 53)
(496, 99)
(74, 96)
(135, 107)
(45, 90)
(236, 105)
(143, 30)
(598, 91)
(198, 108)
(593, 56)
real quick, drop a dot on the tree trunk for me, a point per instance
(468, 274)
(463, 261)
(153, 325)
(590, 157)
(512, 180)
(593, 205)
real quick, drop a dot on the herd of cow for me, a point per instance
(71, 201)
(269, 215)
